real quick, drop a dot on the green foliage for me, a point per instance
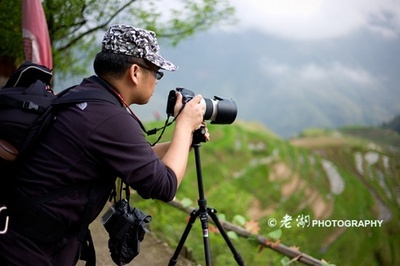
(239, 220)
(275, 235)
(245, 164)
(365, 189)
(315, 132)
(11, 29)
(381, 136)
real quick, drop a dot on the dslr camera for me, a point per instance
(126, 227)
(218, 110)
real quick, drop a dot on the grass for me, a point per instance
(238, 166)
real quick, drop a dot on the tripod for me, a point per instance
(203, 212)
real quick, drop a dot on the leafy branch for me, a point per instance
(74, 26)
(91, 30)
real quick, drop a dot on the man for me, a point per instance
(92, 143)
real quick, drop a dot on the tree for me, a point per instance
(393, 124)
(11, 47)
(75, 24)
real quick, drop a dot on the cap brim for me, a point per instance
(161, 62)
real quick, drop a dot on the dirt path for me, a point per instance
(153, 252)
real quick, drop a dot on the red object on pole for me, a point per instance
(35, 33)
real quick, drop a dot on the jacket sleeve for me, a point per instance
(120, 146)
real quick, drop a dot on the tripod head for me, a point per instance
(199, 135)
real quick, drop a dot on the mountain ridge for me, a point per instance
(289, 86)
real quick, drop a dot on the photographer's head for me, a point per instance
(131, 62)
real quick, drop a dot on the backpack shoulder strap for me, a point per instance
(86, 96)
(70, 97)
(8, 101)
(34, 97)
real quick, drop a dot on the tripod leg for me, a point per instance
(174, 258)
(236, 255)
(206, 241)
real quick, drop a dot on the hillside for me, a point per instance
(253, 177)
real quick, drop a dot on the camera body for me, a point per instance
(119, 218)
(126, 227)
(218, 110)
(187, 95)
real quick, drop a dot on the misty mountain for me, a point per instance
(288, 85)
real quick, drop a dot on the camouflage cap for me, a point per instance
(135, 42)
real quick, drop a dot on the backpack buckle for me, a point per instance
(30, 106)
(6, 223)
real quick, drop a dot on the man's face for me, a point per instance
(148, 79)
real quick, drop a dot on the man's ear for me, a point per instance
(133, 73)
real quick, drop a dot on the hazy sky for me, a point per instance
(313, 21)
(340, 53)
(319, 19)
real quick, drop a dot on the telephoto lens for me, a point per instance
(219, 110)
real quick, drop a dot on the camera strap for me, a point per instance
(117, 192)
(150, 132)
(167, 123)
(125, 224)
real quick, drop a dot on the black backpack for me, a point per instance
(27, 109)
(27, 106)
